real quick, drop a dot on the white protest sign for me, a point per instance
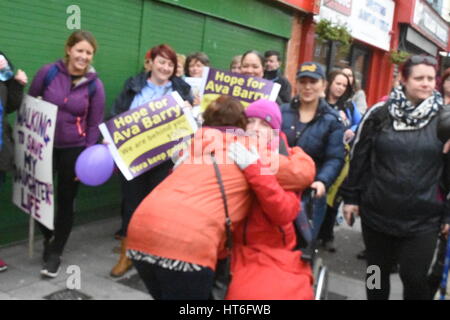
(33, 176)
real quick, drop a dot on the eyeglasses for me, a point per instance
(423, 59)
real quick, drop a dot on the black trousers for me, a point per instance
(67, 188)
(414, 256)
(164, 284)
(134, 191)
(327, 228)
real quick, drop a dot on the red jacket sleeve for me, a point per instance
(280, 206)
(297, 171)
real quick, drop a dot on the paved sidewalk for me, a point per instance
(90, 247)
(347, 274)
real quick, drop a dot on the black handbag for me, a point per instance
(223, 275)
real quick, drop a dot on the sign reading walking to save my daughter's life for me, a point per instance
(33, 174)
(144, 137)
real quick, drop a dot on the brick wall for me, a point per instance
(293, 50)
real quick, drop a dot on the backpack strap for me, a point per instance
(92, 87)
(51, 74)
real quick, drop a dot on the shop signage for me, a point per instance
(341, 6)
(430, 23)
(369, 21)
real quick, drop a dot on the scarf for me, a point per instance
(408, 117)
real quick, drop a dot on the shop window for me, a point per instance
(321, 53)
(360, 58)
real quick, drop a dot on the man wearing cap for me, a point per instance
(310, 123)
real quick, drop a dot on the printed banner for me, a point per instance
(34, 131)
(245, 88)
(142, 138)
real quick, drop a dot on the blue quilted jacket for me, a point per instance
(321, 138)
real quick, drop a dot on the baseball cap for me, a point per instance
(311, 70)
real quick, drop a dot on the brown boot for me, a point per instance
(124, 263)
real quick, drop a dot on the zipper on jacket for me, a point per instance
(80, 129)
(299, 134)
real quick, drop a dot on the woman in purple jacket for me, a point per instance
(71, 84)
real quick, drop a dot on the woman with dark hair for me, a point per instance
(358, 95)
(11, 94)
(338, 95)
(193, 67)
(311, 124)
(397, 165)
(252, 64)
(73, 85)
(138, 90)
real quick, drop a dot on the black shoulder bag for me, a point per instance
(222, 276)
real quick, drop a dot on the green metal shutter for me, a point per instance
(37, 34)
(187, 31)
(224, 40)
(162, 23)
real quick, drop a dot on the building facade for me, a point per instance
(125, 30)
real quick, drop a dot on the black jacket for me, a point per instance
(394, 176)
(321, 139)
(284, 96)
(135, 84)
(11, 94)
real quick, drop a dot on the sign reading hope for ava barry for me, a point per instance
(33, 175)
(147, 136)
(247, 89)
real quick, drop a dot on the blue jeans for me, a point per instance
(319, 210)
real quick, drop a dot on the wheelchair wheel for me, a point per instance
(320, 273)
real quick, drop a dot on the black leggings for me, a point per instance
(414, 256)
(164, 284)
(67, 188)
(327, 228)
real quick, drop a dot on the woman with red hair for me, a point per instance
(144, 87)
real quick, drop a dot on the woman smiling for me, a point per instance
(138, 90)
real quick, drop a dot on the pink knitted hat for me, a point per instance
(266, 110)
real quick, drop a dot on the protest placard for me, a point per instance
(144, 137)
(34, 131)
(245, 88)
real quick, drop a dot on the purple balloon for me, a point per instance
(94, 165)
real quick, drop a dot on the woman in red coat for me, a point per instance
(264, 265)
